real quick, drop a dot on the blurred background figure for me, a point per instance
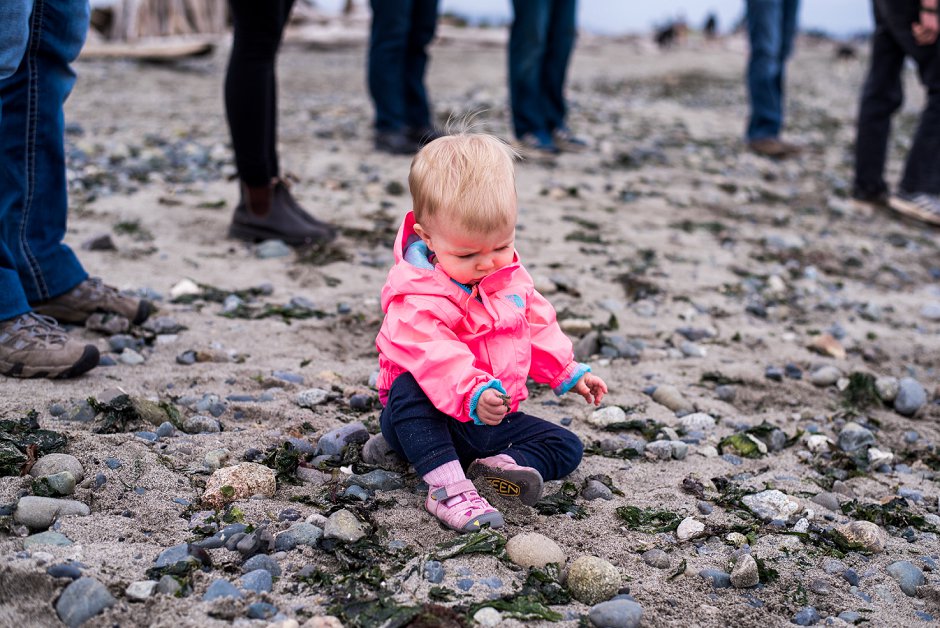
(771, 28)
(398, 58)
(710, 29)
(266, 210)
(903, 28)
(540, 43)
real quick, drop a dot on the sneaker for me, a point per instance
(869, 201)
(395, 143)
(917, 205)
(271, 213)
(539, 144)
(508, 478)
(91, 296)
(32, 345)
(568, 142)
(774, 147)
(460, 507)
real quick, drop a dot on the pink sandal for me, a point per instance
(461, 508)
(508, 478)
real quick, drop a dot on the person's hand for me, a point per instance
(492, 407)
(592, 388)
(925, 31)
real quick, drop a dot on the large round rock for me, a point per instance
(50, 464)
(82, 600)
(592, 580)
(245, 479)
(534, 550)
(864, 535)
(616, 614)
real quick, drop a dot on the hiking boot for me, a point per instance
(35, 346)
(917, 205)
(539, 144)
(395, 142)
(269, 212)
(568, 142)
(774, 147)
(91, 296)
(870, 201)
(508, 478)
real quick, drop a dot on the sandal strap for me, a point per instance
(452, 490)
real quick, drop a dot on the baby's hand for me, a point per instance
(491, 408)
(592, 388)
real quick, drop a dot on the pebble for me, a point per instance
(80, 412)
(659, 450)
(166, 430)
(81, 600)
(833, 566)
(726, 392)
(887, 388)
(378, 480)
(201, 424)
(50, 464)
(378, 452)
(907, 575)
(287, 376)
(820, 587)
(69, 570)
(141, 589)
(850, 617)
(332, 443)
(38, 513)
(258, 580)
(657, 558)
(606, 416)
(825, 376)
(704, 507)
(488, 617)
(261, 610)
(697, 421)
(221, 588)
(62, 483)
(910, 398)
(245, 479)
(167, 585)
(270, 249)
(259, 541)
(344, 526)
(745, 573)
(619, 613)
(262, 562)
(719, 579)
(864, 533)
(806, 617)
(46, 538)
(312, 398)
(772, 504)
(853, 437)
(131, 357)
(828, 501)
(592, 580)
(669, 396)
(931, 311)
(596, 490)
(818, 443)
(774, 373)
(434, 571)
(690, 528)
(531, 549)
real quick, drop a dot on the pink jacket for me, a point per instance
(457, 342)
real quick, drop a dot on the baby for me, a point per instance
(464, 327)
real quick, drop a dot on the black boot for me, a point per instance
(270, 213)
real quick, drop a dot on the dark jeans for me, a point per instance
(251, 87)
(398, 58)
(428, 438)
(771, 26)
(34, 263)
(882, 96)
(540, 43)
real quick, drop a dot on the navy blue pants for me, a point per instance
(428, 438)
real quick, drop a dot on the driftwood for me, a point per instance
(132, 20)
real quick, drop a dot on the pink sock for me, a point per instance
(447, 473)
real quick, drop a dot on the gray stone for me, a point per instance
(726, 392)
(270, 249)
(616, 614)
(81, 600)
(657, 558)
(745, 573)
(850, 617)
(259, 581)
(378, 452)
(300, 533)
(689, 528)
(606, 416)
(887, 388)
(344, 526)
(141, 589)
(167, 585)
(62, 483)
(434, 571)
(166, 430)
(219, 589)
(201, 424)
(670, 397)
(908, 576)
(770, 505)
(80, 412)
(679, 449)
(596, 490)
(258, 541)
(50, 464)
(806, 617)
(262, 561)
(719, 579)
(911, 397)
(131, 357)
(332, 443)
(853, 437)
(46, 538)
(698, 421)
(931, 311)
(828, 501)
(825, 376)
(659, 450)
(378, 480)
(38, 513)
(312, 398)
(592, 580)
(587, 346)
(833, 566)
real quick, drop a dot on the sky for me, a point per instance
(837, 17)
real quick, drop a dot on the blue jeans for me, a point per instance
(771, 26)
(883, 95)
(540, 43)
(34, 263)
(428, 438)
(398, 58)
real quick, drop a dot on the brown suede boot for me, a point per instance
(270, 213)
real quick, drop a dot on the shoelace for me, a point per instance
(96, 290)
(928, 203)
(44, 328)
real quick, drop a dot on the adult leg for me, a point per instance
(251, 87)
(882, 95)
(527, 49)
(388, 48)
(788, 28)
(33, 187)
(764, 21)
(423, 26)
(560, 42)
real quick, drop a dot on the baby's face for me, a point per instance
(468, 258)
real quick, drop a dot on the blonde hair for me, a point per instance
(467, 179)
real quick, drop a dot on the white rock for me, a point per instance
(707, 451)
(141, 589)
(607, 416)
(802, 525)
(772, 504)
(531, 549)
(689, 529)
(312, 398)
(488, 617)
(745, 573)
(245, 479)
(697, 421)
(878, 457)
(183, 288)
(576, 326)
(818, 443)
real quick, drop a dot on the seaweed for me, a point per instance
(545, 584)
(218, 295)
(860, 394)
(284, 459)
(693, 486)
(719, 379)
(626, 453)
(522, 607)
(562, 502)
(753, 442)
(893, 514)
(485, 541)
(23, 441)
(124, 413)
(287, 312)
(679, 571)
(606, 481)
(647, 427)
(649, 520)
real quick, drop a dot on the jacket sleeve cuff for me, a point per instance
(475, 399)
(569, 377)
